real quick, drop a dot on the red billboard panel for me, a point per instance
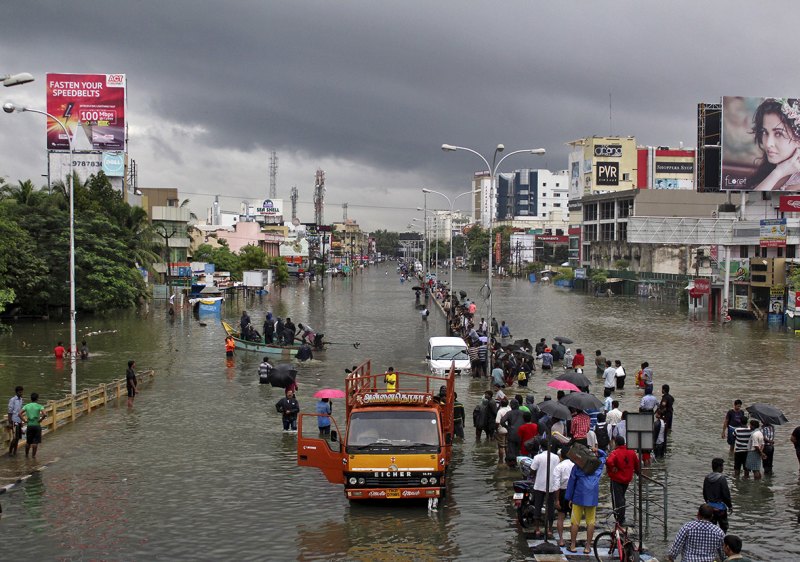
(702, 286)
(760, 144)
(94, 103)
(790, 204)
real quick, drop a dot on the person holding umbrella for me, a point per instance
(769, 416)
(324, 409)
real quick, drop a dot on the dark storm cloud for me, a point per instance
(384, 84)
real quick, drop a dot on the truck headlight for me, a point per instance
(352, 480)
(361, 481)
(424, 481)
(432, 480)
(437, 371)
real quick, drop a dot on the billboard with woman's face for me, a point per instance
(760, 144)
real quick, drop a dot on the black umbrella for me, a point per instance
(463, 294)
(282, 375)
(512, 347)
(417, 288)
(523, 353)
(767, 414)
(578, 379)
(562, 339)
(555, 410)
(582, 401)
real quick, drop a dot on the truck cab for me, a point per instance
(397, 444)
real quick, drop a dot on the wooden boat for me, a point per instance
(259, 347)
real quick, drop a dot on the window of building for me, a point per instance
(606, 210)
(622, 231)
(556, 204)
(557, 184)
(743, 251)
(590, 212)
(763, 252)
(544, 204)
(780, 252)
(590, 233)
(544, 184)
(556, 194)
(607, 231)
(626, 177)
(790, 252)
(625, 208)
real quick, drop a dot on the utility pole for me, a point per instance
(319, 196)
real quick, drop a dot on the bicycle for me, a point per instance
(617, 543)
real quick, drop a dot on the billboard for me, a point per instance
(94, 103)
(85, 164)
(607, 173)
(760, 144)
(772, 233)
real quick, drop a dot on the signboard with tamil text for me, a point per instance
(772, 233)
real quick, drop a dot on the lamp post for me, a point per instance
(490, 203)
(436, 230)
(73, 344)
(449, 202)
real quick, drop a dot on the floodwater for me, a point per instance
(199, 469)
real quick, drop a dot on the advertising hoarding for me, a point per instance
(94, 103)
(760, 142)
(607, 173)
(790, 204)
(772, 233)
(84, 164)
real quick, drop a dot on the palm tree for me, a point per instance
(22, 193)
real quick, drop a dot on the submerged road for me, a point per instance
(200, 469)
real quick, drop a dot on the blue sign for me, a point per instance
(114, 164)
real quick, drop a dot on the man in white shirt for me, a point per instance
(610, 377)
(561, 477)
(649, 403)
(545, 482)
(614, 416)
(755, 451)
(501, 433)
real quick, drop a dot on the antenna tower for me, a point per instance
(319, 196)
(294, 202)
(273, 175)
(344, 212)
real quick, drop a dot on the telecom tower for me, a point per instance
(273, 175)
(294, 201)
(319, 196)
(344, 212)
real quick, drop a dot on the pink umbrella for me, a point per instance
(332, 393)
(562, 385)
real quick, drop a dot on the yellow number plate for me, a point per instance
(392, 494)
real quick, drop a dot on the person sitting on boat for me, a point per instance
(306, 333)
(251, 334)
(304, 353)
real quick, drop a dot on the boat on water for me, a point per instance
(260, 347)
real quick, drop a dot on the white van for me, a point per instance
(442, 351)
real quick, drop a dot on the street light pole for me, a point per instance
(73, 344)
(490, 203)
(449, 202)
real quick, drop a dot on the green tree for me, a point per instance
(281, 269)
(252, 257)
(387, 243)
(599, 276)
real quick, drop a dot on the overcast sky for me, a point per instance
(368, 91)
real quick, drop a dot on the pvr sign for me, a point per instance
(607, 173)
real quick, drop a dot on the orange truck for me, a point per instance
(397, 443)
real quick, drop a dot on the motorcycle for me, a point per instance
(523, 494)
(523, 502)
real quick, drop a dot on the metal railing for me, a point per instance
(655, 500)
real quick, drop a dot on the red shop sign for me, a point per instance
(702, 286)
(790, 204)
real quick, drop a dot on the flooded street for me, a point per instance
(199, 469)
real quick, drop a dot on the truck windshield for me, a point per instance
(393, 429)
(448, 352)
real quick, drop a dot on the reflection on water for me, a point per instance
(199, 468)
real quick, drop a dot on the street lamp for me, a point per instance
(9, 80)
(11, 108)
(493, 177)
(449, 202)
(436, 230)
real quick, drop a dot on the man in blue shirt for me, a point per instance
(324, 409)
(14, 421)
